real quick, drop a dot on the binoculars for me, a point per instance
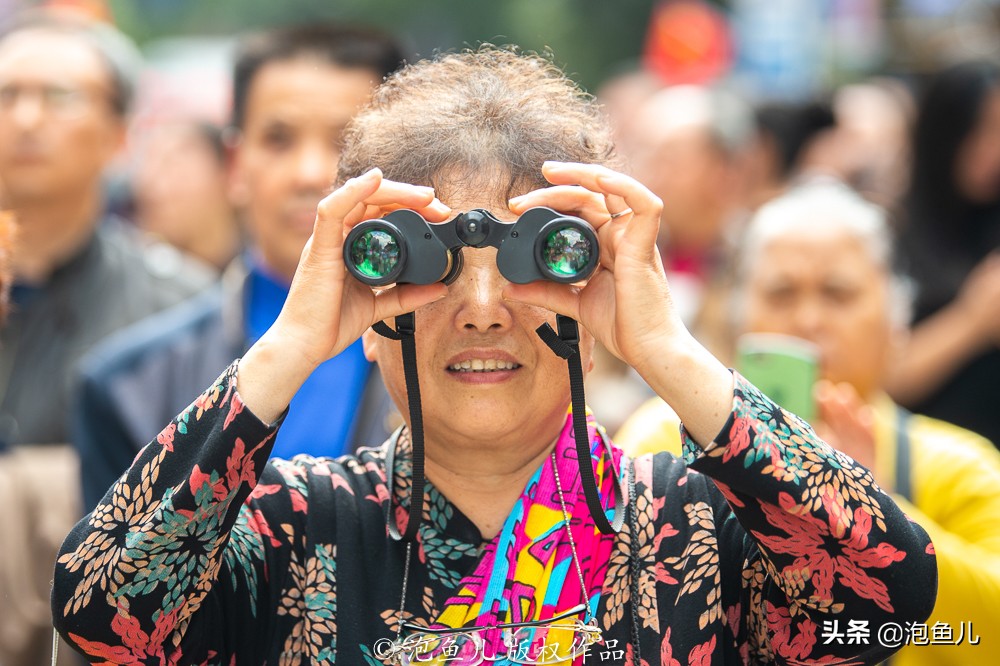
(403, 247)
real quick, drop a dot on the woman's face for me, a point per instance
(486, 378)
(977, 163)
(821, 284)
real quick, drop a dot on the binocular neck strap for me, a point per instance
(404, 333)
(566, 344)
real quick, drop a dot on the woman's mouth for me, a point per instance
(481, 365)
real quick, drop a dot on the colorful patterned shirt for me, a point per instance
(748, 552)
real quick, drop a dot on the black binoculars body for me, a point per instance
(403, 247)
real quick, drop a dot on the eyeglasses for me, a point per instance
(58, 99)
(556, 640)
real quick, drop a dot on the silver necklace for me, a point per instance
(569, 533)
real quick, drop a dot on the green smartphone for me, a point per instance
(783, 367)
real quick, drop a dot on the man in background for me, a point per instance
(690, 146)
(65, 91)
(294, 91)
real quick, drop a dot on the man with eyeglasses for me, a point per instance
(65, 88)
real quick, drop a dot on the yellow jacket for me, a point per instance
(954, 495)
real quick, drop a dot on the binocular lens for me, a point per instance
(375, 253)
(567, 252)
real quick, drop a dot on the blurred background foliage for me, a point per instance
(591, 38)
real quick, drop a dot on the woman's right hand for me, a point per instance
(327, 309)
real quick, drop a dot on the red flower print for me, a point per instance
(258, 523)
(663, 575)
(782, 642)
(701, 655)
(235, 407)
(810, 542)
(199, 479)
(240, 465)
(667, 651)
(166, 437)
(263, 489)
(666, 531)
(739, 439)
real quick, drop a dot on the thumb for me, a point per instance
(559, 298)
(406, 298)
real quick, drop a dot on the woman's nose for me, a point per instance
(480, 291)
(808, 318)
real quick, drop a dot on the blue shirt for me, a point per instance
(321, 416)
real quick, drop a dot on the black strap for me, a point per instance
(566, 344)
(904, 473)
(405, 327)
(633, 524)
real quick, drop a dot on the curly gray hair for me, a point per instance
(483, 119)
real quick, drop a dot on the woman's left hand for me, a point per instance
(626, 304)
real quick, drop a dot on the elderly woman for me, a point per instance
(205, 552)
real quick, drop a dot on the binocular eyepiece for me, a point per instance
(403, 247)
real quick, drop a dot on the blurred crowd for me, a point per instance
(135, 265)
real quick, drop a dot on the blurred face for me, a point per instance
(57, 127)
(685, 169)
(180, 185)
(977, 164)
(521, 388)
(821, 284)
(296, 111)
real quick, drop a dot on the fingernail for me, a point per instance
(516, 200)
(371, 172)
(549, 164)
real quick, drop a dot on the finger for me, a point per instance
(598, 178)
(391, 192)
(559, 298)
(615, 204)
(609, 236)
(404, 298)
(435, 211)
(570, 199)
(644, 224)
(358, 214)
(331, 211)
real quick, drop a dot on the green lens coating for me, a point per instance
(567, 252)
(375, 253)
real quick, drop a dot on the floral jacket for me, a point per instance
(205, 552)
